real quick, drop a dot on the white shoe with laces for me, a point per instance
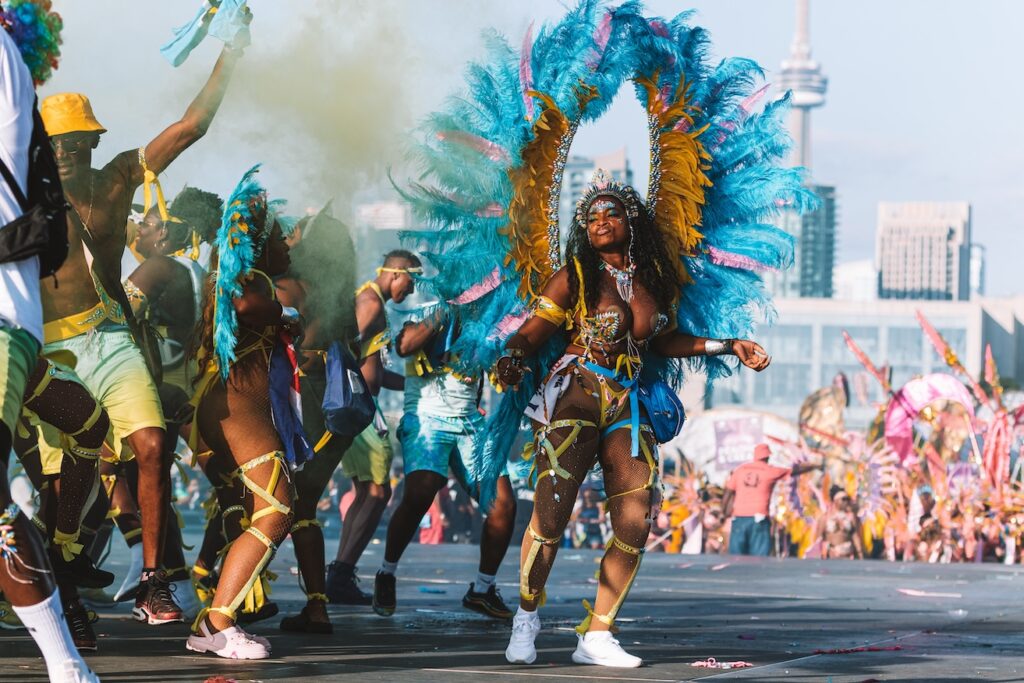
(231, 643)
(601, 648)
(525, 627)
(76, 671)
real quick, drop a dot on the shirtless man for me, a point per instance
(107, 359)
(368, 460)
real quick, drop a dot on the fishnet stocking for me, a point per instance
(70, 407)
(628, 484)
(235, 420)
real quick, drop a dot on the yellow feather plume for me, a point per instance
(678, 194)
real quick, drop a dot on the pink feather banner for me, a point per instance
(526, 71)
(508, 325)
(731, 260)
(601, 36)
(488, 285)
(491, 150)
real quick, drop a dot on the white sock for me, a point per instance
(388, 567)
(45, 621)
(483, 582)
(522, 614)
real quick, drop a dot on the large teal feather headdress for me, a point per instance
(239, 243)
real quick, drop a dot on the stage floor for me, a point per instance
(950, 623)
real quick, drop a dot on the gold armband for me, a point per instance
(546, 309)
(136, 297)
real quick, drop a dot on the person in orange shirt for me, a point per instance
(748, 493)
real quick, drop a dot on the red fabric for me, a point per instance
(753, 483)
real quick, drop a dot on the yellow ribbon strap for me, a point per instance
(150, 182)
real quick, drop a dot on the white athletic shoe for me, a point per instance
(525, 627)
(231, 643)
(184, 595)
(599, 647)
(76, 671)
(131, 580)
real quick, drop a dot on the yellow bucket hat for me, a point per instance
(69, 112)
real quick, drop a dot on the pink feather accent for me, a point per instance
(731, 260)
(492, 151)
(526, 71)
(601, 37)
(492, 210)
(748, 104)
(659, 27)
(488, 285)
(508, 325)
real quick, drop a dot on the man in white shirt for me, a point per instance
(25, 579)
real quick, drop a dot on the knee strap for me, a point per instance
(320, 597)
(89, 423)
(524, 575)
(245, 522)
(609, 618)
(266, 494)
(305, 524)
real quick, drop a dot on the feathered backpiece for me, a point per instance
(493, 160)
(243, 232)
(36, 31)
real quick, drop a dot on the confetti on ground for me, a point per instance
(427, 589)
(719, 567)
(712, 663)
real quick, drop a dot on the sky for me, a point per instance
(922, 102)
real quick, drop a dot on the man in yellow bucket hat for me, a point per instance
(84, 326)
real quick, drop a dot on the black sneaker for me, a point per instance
(154, 603)
(489, 603)
(80, 570)
(80, 626)
(384, 601)
(343, 586)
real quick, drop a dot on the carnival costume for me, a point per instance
(244, 365)
(494, 162)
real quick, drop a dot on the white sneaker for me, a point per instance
(76, 671)
(599, 647)
(131, 580)
(525, 627)
(184, 595)
(231, 643)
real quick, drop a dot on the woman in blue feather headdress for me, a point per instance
(640, 284)
(243, 335)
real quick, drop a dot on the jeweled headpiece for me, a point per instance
(602, 184)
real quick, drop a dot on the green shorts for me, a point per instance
(112, 368)
(369, 457)
(19, 351)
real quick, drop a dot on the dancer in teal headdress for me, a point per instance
(639, 285)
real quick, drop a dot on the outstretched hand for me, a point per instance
(751, 354)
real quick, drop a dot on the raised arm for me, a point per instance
(180, 135)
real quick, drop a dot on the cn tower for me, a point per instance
(802, 76)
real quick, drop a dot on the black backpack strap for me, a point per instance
(15, 188)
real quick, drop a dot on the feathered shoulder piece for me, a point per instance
(36, 31)
(243, 233)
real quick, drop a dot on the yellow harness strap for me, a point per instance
(321, 597)
(555, 453)
(266, 494)
(324, 440)
(609, 619)
(305, 524)
(524, 575)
